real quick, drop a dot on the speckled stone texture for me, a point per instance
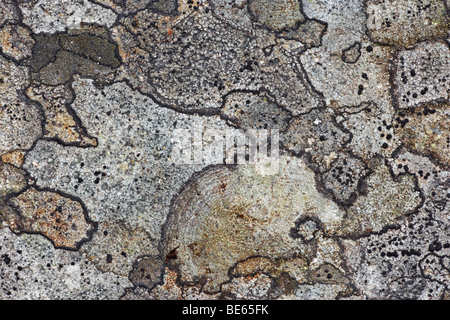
(96, 95)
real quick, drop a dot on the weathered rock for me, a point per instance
(12, 180)
(426, 130)
(147, 272)
(20, 121)
(97, 201)
(58, 217)
(16, 41)
(115, 247)
(422, 75)
(182, 67)
(61, 122)
(278, 14)
(227, 215)
(406, 22)
(352, 54)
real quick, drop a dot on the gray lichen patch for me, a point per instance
(8, 12)
(345, 178)
(164, 7)
(21, 126)
(406, 22)
(422, 74)
(352, 53)
(322, 141)
(328, 274)
(233, 12)
(12, 180)
(350, 84)
(372, 131)
(115, 246)
(64, 14)
(67, 64)
(193, 63)
(147, 272)
(385, 201)
(431, 178)
(254, 111)
(310, 33)
(34, 269)
(435, 267)
(278, 14)
(404, 255)
(20, 120)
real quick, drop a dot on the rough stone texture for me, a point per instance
(422, 74)
(426, 130)
(86, 51)
(406, 22)
(254, 111)
(384, 201)
(321, 142)
(223, 202)
(97, 95)
(12, 180)
(352, 54)
(8, 12)
(345, 178)
(147, 272)
(115, 246)
(16, 41)
(277, 15)
(63, 14)
(234, 60)
(61, 122)
(55, 216)
(15, 158)
(20, 122)
(33, 269)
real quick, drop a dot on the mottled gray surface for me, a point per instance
(95, 93)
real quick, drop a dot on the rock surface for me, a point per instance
(224, 149)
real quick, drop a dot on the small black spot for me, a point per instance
(360, 89)
(172, 255)
(6, 259)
